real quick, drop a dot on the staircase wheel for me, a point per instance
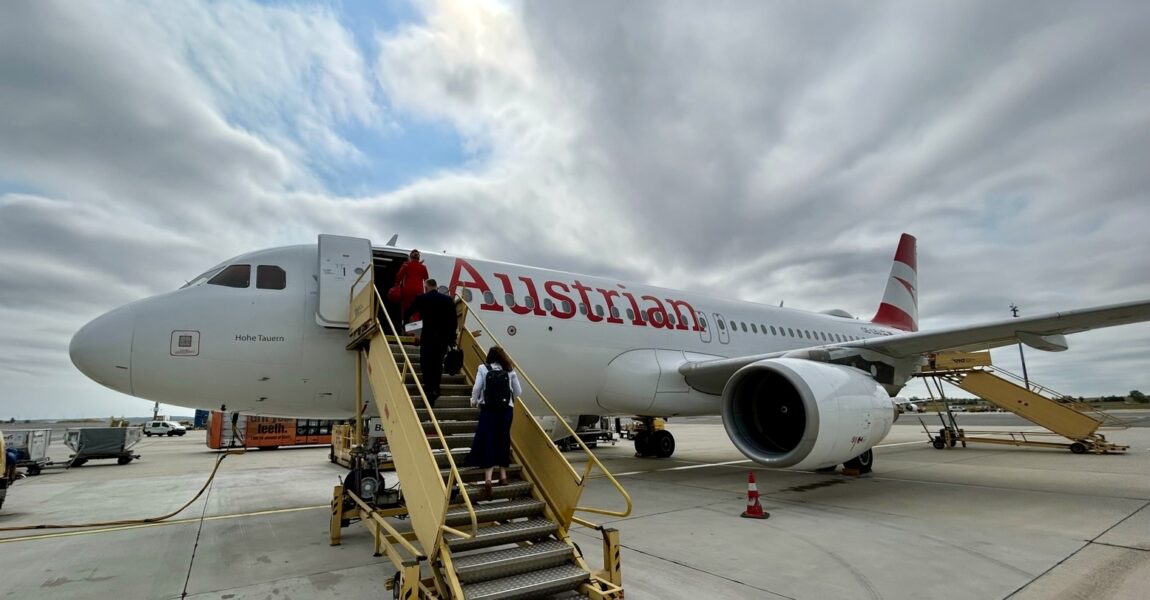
(396, 581)
(938, 443)
(1078, 448)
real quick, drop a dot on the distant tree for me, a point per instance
(1139, 397)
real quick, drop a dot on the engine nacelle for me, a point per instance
(787, 412)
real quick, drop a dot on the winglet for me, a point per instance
(899, 308)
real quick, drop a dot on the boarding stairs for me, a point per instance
(516, 544)
(1061, 415)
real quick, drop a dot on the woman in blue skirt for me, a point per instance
(496, 386)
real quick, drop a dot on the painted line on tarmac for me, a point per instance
(901, 444)
(28, 538)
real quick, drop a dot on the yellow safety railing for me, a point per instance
(364, 312)
(563, 495)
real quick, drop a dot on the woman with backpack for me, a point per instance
(496, 386)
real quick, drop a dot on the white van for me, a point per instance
(164, 428)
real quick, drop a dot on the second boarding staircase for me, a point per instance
(1060, 414)
(514, 545)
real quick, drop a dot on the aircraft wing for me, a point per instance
(1042, 332)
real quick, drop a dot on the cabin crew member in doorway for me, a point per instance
(410, 280)
(439, 332)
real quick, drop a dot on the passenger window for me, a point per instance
(488, 297)
(823, 335)
(236, 276)
(702, 322)
(529, 302)
(548, 304)
(630, 314)
(568, 308)
(510, 299)
(773, 330)
(441, 289)
(599, 310)
(744, 326)
(270, 277)
(614, 312)
(582, 309)
(467, 294)
(671, 319)
(754, 328)
(657, 318)
(790, 332)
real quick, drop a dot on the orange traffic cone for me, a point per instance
(754, 509)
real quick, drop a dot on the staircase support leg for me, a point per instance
(612, 565)
(409, 584)
(336, 515)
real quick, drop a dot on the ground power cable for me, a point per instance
(207, 484)
(199, 530)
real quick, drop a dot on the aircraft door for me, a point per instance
(721, 330)
(341, 261)
(705, 332)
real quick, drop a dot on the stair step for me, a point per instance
(474, 473)
(446, 401)
(516, 488)
(446, 389)
(454, 441)
(452, 427)
(487, 512)
(449, 414)
(507, 533)
(443, 379)
(494, 564)
(528, 585)
(441, 458)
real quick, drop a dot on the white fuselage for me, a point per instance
(593, 345)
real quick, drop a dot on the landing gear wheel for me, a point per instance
(938, 443)
(1078, 448)
(863, 462)
(662, 443)
(642, 444)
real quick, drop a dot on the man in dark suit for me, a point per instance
(439, 332)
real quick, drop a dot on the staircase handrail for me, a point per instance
(1063, 399)
(593, 461)
(377, 302)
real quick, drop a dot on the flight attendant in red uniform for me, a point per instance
(410, 280)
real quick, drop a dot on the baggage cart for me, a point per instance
(91, 443)
(32, 447)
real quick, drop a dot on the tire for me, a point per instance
(863, 462)
(938, 443)
(642, 447)
(662, 443)
(123, 460)
(1078, 448)
(147, 434)
(171, 433)
(79, 462)
(33, 470)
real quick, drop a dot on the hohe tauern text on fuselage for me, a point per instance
(653, 314)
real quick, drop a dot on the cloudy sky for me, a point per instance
(772, 151)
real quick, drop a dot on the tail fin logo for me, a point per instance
(899, 308)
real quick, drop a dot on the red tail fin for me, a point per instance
(899, 308)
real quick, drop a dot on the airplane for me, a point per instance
(265, 333)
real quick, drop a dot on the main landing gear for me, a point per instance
(863, 462)
(653, 442)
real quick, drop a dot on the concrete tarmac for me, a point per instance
(977, 522)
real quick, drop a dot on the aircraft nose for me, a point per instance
(102, 349)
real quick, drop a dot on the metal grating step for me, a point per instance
(449, 414)
(446, 389)
(451, 427)
(516, 488)
(507, 533)
(441, 457)
(487, 512)
(476, 473)
(444, 401)
(493, 564)
(528, 585)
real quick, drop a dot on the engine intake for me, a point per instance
(787, 412)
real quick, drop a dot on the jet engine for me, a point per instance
(788, 412)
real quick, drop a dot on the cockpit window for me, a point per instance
(237, 276)
(270, 277)
(203, 278)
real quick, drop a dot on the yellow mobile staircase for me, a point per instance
(1061, 415)
(516, 545)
